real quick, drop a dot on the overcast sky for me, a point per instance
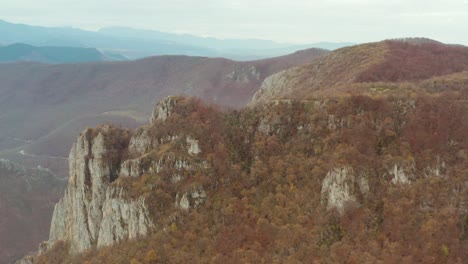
(293, 21)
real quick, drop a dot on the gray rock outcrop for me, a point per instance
(92, 212)
(402, 173)
(95, 211)
(341, 186)
(122, 219)
(164, 109)
(272, 87)
(191, 199)
(194, 146)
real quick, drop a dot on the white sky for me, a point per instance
(295, 21)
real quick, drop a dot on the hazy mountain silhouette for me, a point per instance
(25, 52)
(134, 43)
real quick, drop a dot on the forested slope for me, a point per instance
(354, 179)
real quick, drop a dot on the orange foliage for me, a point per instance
(264, 187)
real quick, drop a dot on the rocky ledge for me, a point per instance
(95, 211)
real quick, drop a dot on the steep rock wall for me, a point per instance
(84, 215)
(94, 211)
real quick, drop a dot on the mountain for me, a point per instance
(24, 52)
(27, 198)
(134, 43)
(361, 162)
(356, 179)
(72, 37)
(231, 48)
(389, 63)
(212, 43)
(44, 107)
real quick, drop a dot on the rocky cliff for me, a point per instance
(92, 212)
(95, 211)
(286, 180)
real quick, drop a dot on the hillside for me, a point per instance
(49, 104)
(43, 108)
(335, 167)
(354, 179)
(24, 52)
(27, 198)
(351, 69)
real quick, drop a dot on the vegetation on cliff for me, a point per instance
(349, 179)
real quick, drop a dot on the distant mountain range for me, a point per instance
(134, 43)
(25, 52)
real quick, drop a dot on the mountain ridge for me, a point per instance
(50, 54)
(344, 70)
(329, 168)
(331, 172)
(134, 44)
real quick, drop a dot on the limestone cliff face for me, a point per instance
(402, 173)
(405, 172)
(95, 211)
(342, 185)
(191, 199)
(122, 219)
(164, 109)
(92, 212)
(273, 87)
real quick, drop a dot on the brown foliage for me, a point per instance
(264, 187)
(407, 61)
